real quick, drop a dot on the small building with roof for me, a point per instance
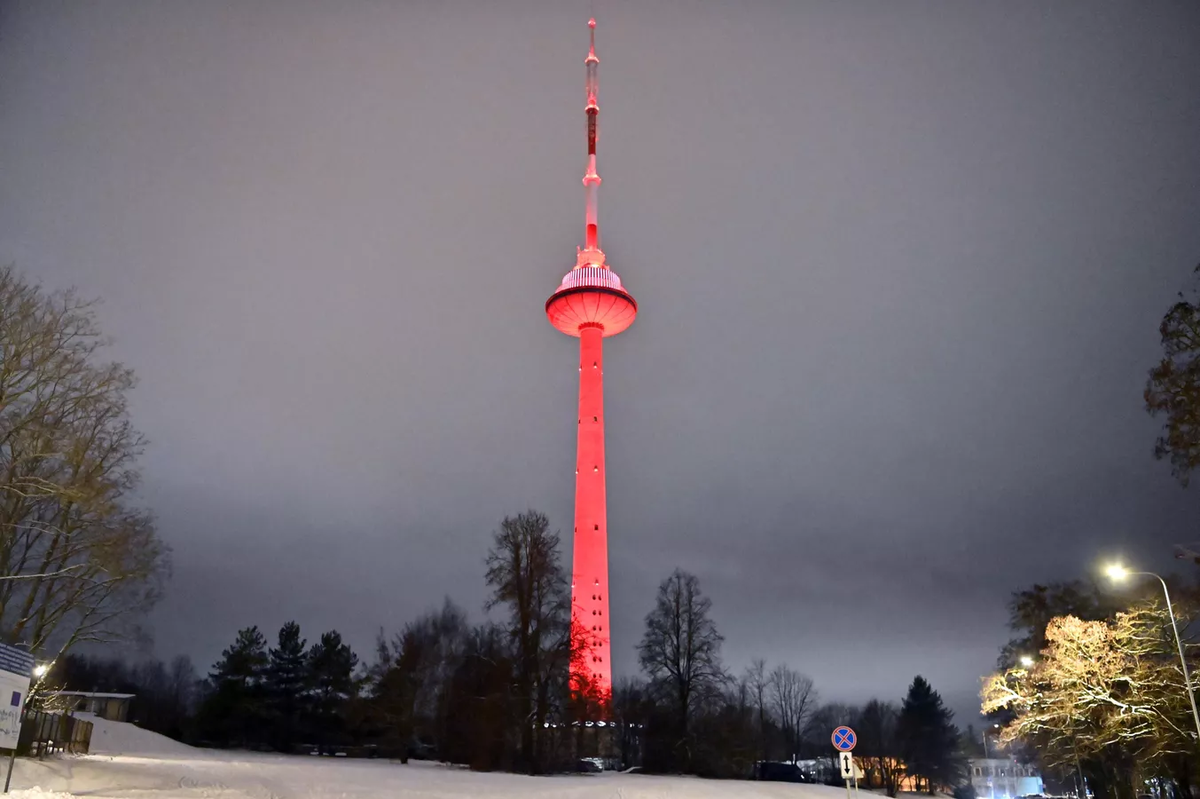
(114, 707)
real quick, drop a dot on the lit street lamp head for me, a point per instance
(1026, 661)
(1116, 572)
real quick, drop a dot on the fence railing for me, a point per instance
(48, 733)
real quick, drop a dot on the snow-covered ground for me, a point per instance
(130, 762)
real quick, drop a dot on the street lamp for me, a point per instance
(1118, 573)
(987, 762)
(1026, 662)
(40, 670)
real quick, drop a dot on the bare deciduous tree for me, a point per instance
(526, 575)
(878, 747)
(77, 561)
(793, 698)
(681, 649)
(757, 681)
(409, 685)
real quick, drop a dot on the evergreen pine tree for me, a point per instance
(331, 666)
(234, 712)
(287, 683)
(928, 739)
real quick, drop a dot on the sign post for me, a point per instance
(844, 741)
(16, 671)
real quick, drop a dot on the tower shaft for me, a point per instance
(589, 571)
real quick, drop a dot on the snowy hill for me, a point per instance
(123, 738)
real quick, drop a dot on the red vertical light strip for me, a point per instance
(589, 596)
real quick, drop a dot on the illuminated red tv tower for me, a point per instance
(592, 305)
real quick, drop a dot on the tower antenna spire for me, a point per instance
(591, 254)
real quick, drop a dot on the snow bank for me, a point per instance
(38, 793)
(128, 761)
(123, 738)
(205, 774)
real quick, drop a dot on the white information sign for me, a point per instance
(16, 669)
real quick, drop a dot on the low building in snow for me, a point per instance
(1003, 778)
(114, 707)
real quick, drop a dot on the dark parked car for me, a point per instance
(781, 772)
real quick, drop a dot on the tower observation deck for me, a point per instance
(592, 304)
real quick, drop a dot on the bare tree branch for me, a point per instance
(77, 562)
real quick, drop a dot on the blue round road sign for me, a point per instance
(844, 739)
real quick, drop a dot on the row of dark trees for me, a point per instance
(760, 718)
(484, 694)
(498, 695)
(279, 697)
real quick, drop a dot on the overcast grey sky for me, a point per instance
(900, 269)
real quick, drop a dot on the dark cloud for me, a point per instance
(900, 270)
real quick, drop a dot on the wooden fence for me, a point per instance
(48, 733)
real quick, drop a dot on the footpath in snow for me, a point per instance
(130, 762)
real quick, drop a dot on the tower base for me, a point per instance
(613, 747)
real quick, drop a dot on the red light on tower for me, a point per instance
(591, 304)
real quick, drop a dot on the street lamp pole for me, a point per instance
(1120, 572)
(988, 763)
(1187, 680)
